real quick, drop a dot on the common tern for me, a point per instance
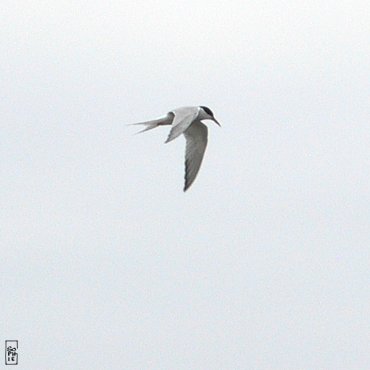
(187, 121)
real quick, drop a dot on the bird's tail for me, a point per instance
(149, 126)
(153, 124)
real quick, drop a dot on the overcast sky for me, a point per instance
(264, 263)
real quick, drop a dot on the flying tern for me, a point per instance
(187, 121)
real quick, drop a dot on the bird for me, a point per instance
(186, 121)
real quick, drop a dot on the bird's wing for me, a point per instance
(196, 143)
(184, 117)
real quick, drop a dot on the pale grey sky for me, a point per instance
(264, 263)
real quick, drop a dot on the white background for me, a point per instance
(264, 263)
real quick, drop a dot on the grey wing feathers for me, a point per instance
(196, 143)
(182, 120)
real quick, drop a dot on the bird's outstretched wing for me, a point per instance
(184, 117)
(196, 143)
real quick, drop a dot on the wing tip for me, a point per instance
(188, 181)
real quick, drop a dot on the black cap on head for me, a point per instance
(207, 110)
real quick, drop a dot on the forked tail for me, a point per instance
(149, 125)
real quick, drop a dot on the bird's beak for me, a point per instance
(214, 119)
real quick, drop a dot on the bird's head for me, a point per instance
(206, 113)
